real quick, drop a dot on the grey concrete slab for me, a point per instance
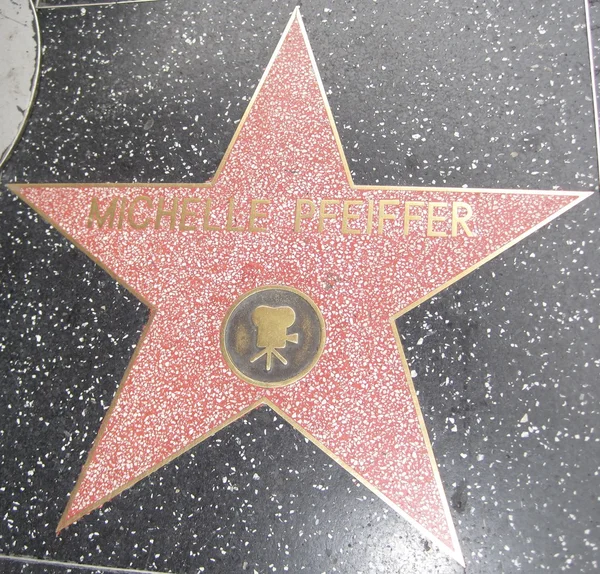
(19, 69)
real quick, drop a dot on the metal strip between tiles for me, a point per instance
(590, 38)
(43, 6)
(27, 560)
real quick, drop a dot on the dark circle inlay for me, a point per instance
(272, 336)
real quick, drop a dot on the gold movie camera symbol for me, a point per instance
(272, 324)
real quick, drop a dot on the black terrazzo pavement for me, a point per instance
(506, 362)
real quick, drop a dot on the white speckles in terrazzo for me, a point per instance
(121, 87)
(356, 401)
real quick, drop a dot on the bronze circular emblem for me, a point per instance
(272, 336)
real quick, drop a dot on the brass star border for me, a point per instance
(291, 216)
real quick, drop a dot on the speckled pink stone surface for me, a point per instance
(357, 400)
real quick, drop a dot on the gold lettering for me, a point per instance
(370, 209)
(185, 213)
(347, 216)
(170, 213)
(99, 218)
(230, 209)
(408, 216)
(432, 218)
(130, 212)
(462, 220)
(324, 214)
(383, 216)
(300, 214)
(122, 213)
(206, 223)
(255, 214)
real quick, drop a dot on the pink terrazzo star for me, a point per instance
(363, 254)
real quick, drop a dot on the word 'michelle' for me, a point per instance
(348, 216)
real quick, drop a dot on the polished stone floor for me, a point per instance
(505, 361)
